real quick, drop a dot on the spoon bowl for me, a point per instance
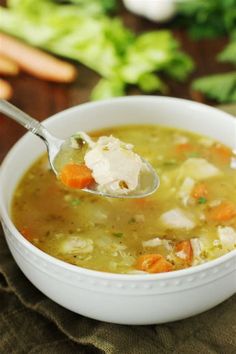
(147, 185)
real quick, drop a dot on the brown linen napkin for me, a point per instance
(31, 323)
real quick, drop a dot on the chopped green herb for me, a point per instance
(117, 234)
(202, 200)
(131, 221)
(193, 154)
(170, 163)
(75, 202)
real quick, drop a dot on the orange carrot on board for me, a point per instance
(153, 263)
(200, 191)
(35, 61)
(186, 249)
(6, 91)
(223, 212)
(221, 152)
(8, 67)
(76, 176)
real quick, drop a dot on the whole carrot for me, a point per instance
(35, 61)
(5, 90)
(7, 66)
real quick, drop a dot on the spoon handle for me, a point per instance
(24, 119)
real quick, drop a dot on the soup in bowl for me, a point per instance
(130, 261)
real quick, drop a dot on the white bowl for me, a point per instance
(124, 299)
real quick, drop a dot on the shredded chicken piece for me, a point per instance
(115, 167)
(227, 236)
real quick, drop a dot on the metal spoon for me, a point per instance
(54, 146)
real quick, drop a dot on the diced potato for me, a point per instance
(155, 242)
(227, 237)
(177, 219)
(74, 244)
(215, 203)
(180, 139)
(196, 247)
(186, 189)
(139, 218)
(207, 142)
(198, 169)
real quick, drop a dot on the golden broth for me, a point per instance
(108, 234)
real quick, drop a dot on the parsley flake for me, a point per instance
(202, 200)
(117, 234)
(193, 154)
(75, 202)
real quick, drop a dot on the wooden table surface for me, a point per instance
(42, 99)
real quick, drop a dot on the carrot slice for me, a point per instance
(221, 152)
(76, 176)
(141, 201)
(223, 212)
(185, 248)
(153, 263)
(26, 233)
(182, 148)
(200, 191)
(186, 150)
